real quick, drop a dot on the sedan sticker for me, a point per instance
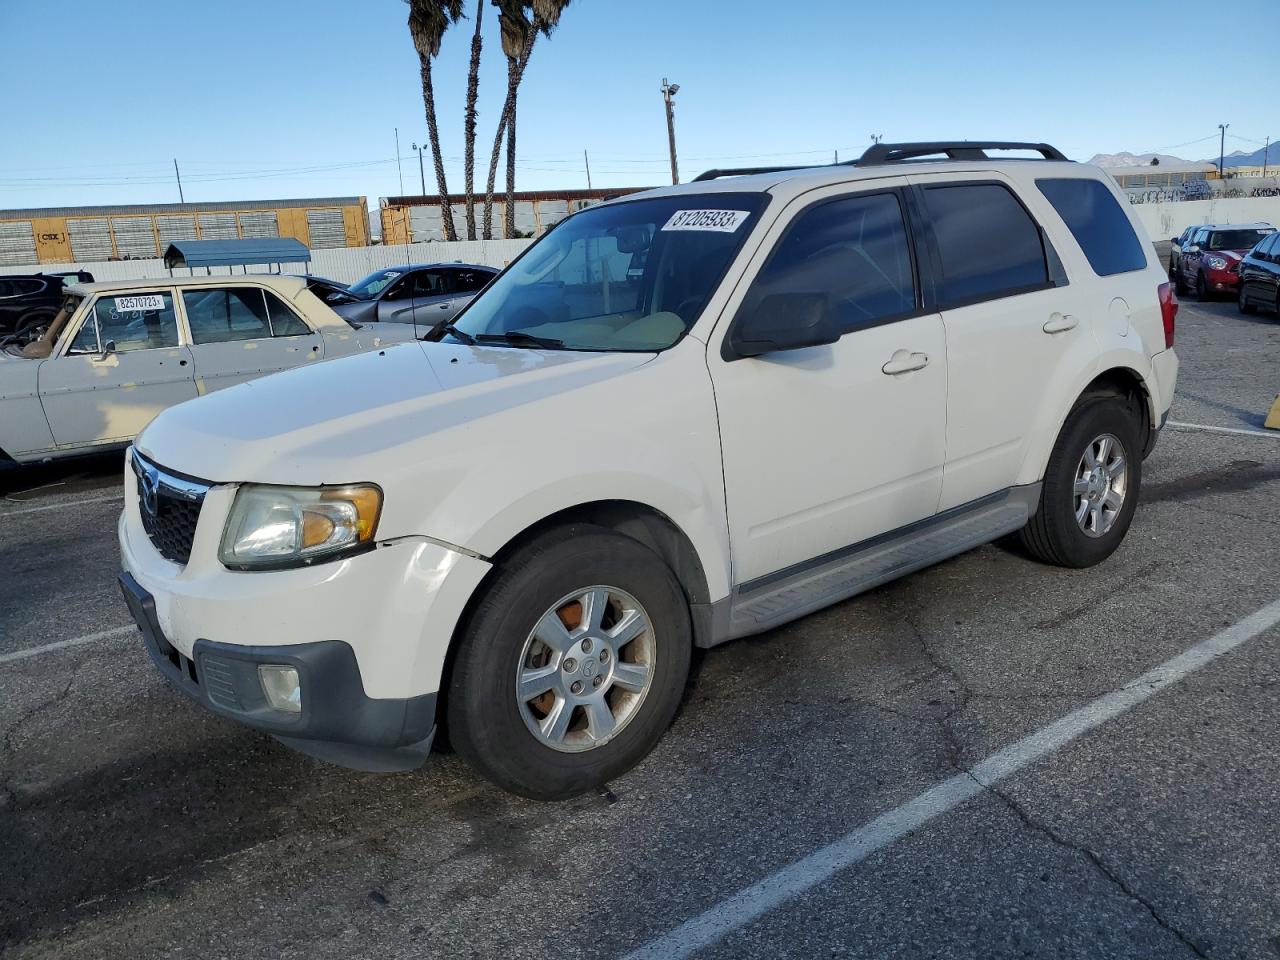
(721, 221)
(148, 301)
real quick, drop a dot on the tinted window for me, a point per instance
(855, 251)
(1098, 223)
(138, 321)
(428, 283)
(468, 281)
(1236, 239)
(6, 288)
(989, 245)
(27, 287)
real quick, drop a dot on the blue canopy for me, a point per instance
(225, 253)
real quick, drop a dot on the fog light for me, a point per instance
(280, 684)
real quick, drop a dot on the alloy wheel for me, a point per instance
(1101, 484)
(585, 669)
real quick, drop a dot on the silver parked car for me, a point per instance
(118, 353)
(422, 294)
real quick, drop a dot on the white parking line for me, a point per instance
(1267, 435)
(57, 506)
(791, 881)
(63, 644)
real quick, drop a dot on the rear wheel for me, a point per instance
(1242, 301)
(1091, 485)
(572, 665)
(33, 326)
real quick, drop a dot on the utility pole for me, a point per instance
(669, 90)
(1222, 146)
(588, 163)
(181, 199)
(418, 150)
(398, 170)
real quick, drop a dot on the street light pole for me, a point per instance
(668, 91)
(398, 170)
(421, 173)
(1222, 147)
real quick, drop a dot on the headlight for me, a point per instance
(290, 526)
(1217, 263)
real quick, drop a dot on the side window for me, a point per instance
(27, 288)
(988, 243)
(284, 322)
(223, 315)
(1098, 224)
(6, 288)
(429, 283)
(853, 250)
(139, 321)
(469, 281)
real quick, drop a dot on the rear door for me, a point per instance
(123, 366)
(1014, 329)
(241, 332)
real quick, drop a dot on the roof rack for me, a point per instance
(741, 172)
(954, 150)
(899, 152)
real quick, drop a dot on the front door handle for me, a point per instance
(1060, 323)
(904, 361)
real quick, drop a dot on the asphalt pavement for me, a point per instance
(133, 824)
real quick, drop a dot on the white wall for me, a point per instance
(1165, 220)
(345, 264)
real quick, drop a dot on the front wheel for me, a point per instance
(1091, 485)
(1242, 301)
(572, 665)
(1202, 288)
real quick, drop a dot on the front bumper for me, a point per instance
(1221, 280)
(337, 722)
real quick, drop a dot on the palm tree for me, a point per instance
(473, 89)
(521, 22)
(428, 20)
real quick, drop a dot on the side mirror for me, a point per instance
(783, 321)
(1193, 249)
(108, 348)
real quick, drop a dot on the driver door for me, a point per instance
(420, 297)
(117, 371)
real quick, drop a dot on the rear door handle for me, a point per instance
(904, 361)
(1060, 323)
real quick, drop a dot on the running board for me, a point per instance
(776, 598)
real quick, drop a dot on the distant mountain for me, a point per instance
(1238, 158)
(1126, 159)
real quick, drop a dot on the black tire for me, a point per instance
(483, 712)
(1053, 534)
(1202, 289)
(1242, 302)
(31, 326)
(1180, 283)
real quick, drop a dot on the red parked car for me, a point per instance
(1210, 262)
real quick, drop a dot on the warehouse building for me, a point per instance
(93, 234)
(417, 219)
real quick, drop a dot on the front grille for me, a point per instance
(170, 508)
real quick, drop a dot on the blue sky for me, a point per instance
(286, 98)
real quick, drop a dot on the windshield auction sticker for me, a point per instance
(720, 221)
(148, 301)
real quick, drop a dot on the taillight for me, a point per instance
(1168, 312)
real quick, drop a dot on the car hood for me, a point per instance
(353, 419)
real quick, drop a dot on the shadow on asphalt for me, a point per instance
(92, 472)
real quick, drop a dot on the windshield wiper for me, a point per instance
(448, 327)
(518, 338)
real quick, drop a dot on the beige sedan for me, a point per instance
(120, 352)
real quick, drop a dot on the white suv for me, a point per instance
(681, 417)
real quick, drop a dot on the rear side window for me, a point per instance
(1099, 225)
(988, 244)
(854, 250)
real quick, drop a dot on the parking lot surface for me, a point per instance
(133, 824)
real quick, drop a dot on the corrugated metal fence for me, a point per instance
(345, 264)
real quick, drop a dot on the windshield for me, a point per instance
(374, 283)
(627, 276)
(1236, 239)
